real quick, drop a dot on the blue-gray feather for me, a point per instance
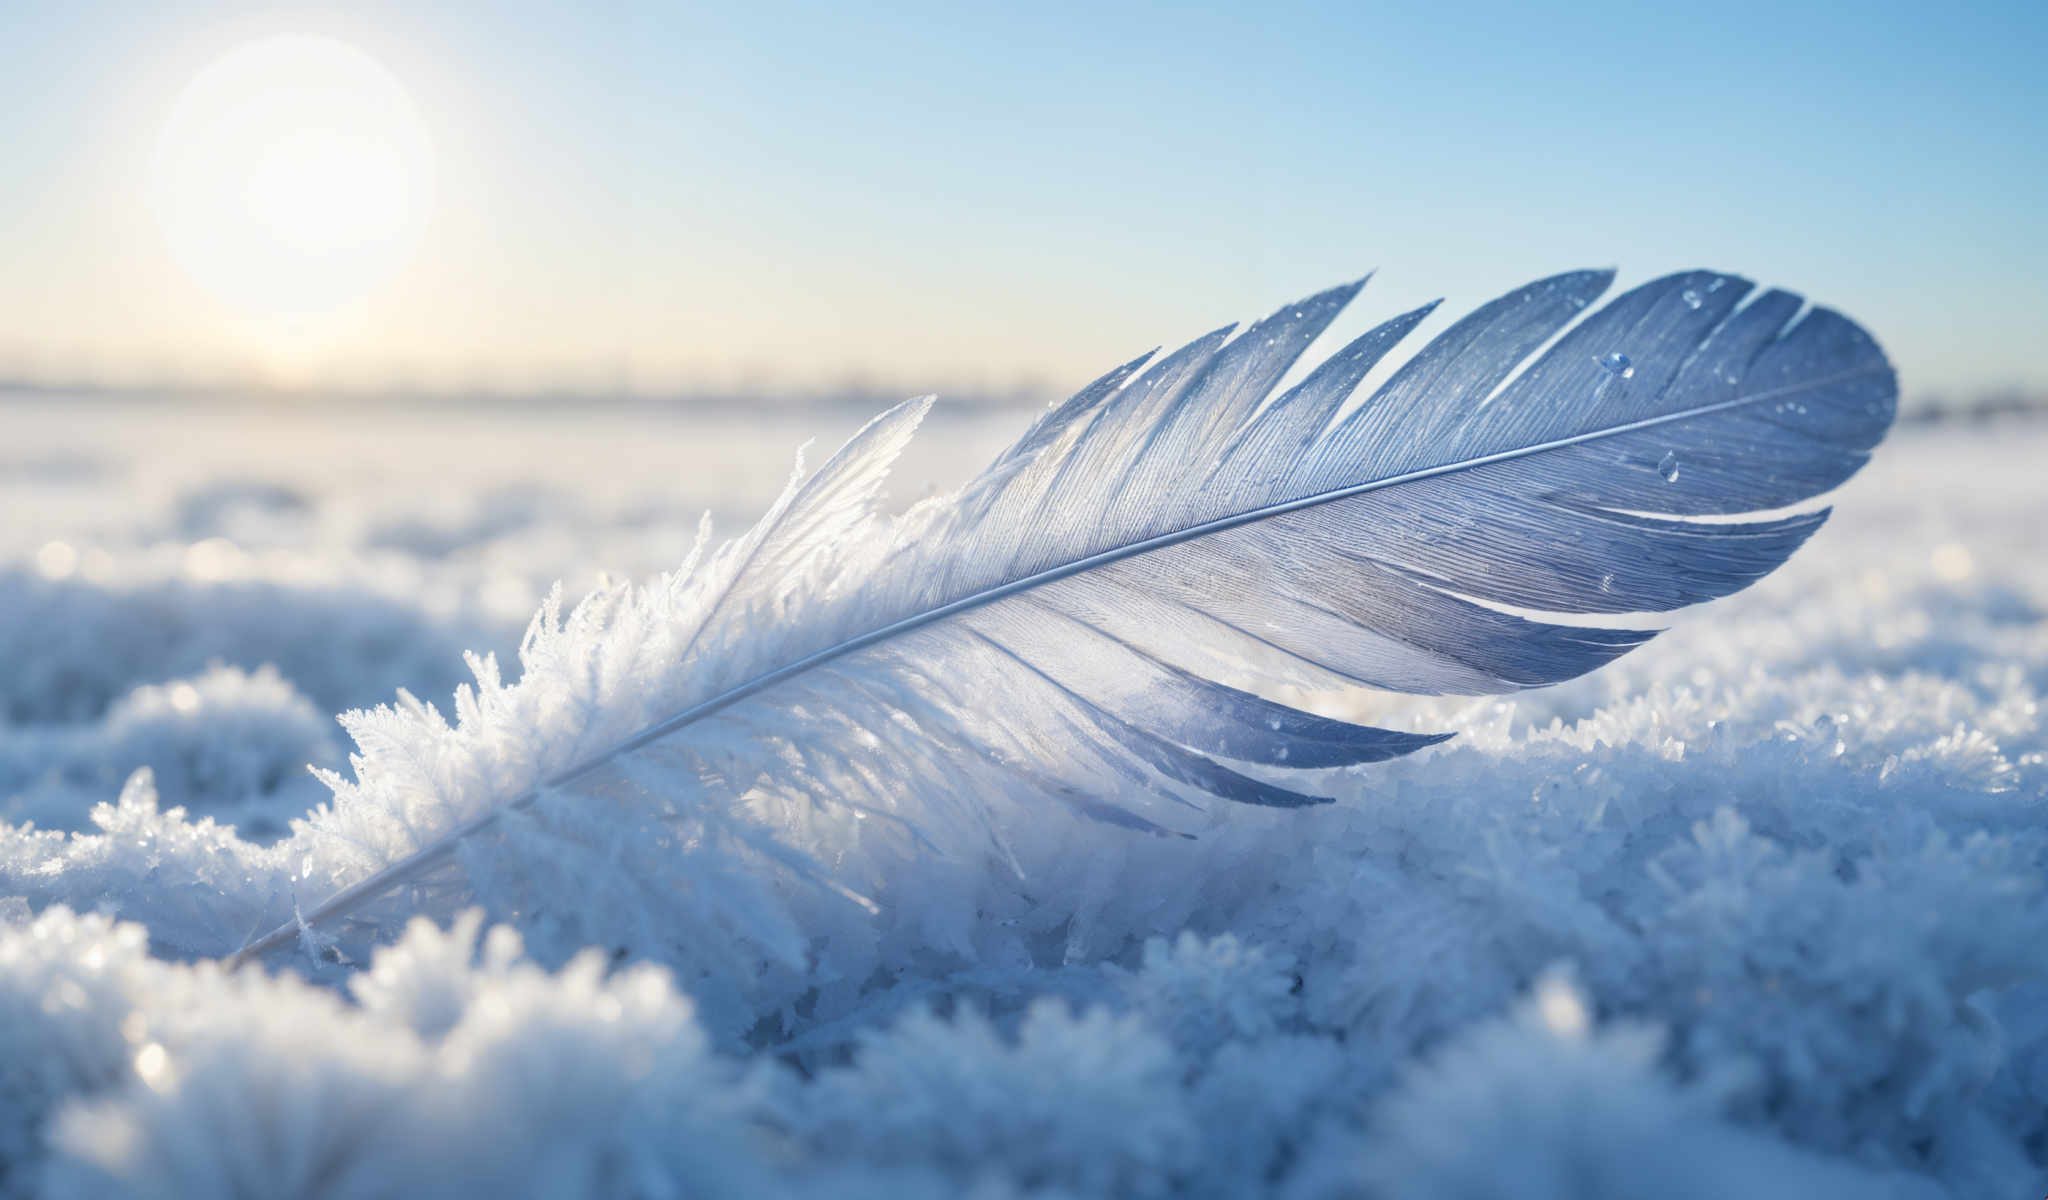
(1472, 482)
(1463, 529)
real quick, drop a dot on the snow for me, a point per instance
(1755, 910)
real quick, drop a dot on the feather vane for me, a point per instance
(1463, 529)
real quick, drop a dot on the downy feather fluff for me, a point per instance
(1096, 621)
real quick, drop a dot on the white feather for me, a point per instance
(1056, 627)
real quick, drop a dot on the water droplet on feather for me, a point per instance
(1668, 467)
(1692, 299)
(1618, 364)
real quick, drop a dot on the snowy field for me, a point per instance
(1755, 911)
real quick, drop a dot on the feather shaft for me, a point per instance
(1157, 392)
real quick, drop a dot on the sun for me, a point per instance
(292, 178)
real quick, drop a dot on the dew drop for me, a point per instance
(1618, 363)
(1692, 299)
(1668, 467)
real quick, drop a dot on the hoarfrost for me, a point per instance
(1756, 910)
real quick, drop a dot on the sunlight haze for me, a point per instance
(291, 179)
(665, 197)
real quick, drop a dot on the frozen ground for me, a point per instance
(1755, 911)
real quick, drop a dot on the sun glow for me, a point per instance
(292, 180)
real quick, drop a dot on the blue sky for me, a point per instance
(943, 195)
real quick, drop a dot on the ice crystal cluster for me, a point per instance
(1758, 910)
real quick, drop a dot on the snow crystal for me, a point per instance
(1755, 911)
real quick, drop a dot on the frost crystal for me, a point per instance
(1755, 911)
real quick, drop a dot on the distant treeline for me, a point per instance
(1927, 408)
(865, 397)
(2001, 405)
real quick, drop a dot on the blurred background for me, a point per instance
(766, 202)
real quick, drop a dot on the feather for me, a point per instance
(1472, 526)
